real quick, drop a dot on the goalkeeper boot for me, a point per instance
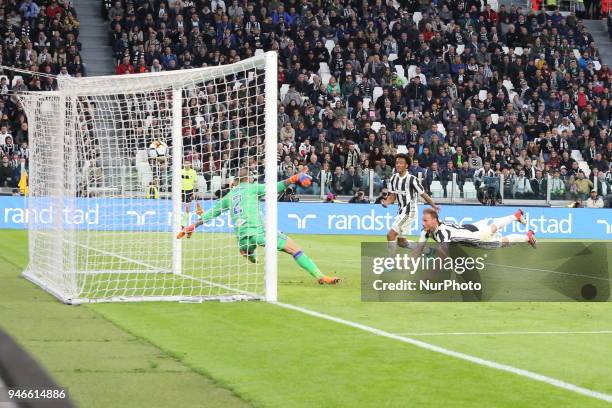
(520, 216)
(531, 239)
(188, 230)
(329, 280)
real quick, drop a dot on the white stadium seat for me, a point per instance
(436, 189)
(378, 91)
(469, 191)
(376, 126)
(400, 71)
(330, 44)
(576, 155)
(392, 57)
(416, 17)
(283, 91)
(324, 68)
(366, 103)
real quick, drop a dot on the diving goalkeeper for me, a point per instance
(243, 203)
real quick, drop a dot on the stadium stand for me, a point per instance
(41, 37)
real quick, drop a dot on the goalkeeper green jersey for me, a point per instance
(243, 203)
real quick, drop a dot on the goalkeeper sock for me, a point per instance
(185, 219)
(500, 223)
(306, 263)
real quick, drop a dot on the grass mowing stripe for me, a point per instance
(476, 360)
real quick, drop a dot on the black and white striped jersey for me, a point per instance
(407, 190)
(448, 232)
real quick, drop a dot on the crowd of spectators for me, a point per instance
(458, 86)
(40, 36)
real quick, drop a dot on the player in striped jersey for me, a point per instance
(480, 234)
(404, 189)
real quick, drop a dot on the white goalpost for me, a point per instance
(109, 185)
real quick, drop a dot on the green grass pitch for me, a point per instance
(256, 354)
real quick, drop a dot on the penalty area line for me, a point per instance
(472, 359)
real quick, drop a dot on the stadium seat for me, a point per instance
(325, 78)
(201, 184)
(508, 84)
(330, 44)
(215, 184)
(584, 166)
(400, 71)
(495, 118)
(283, 91)
(518, 51)
(392, 57)
(376, 126)
(366, 103)
(411, 72)
(494, 5)
(378, 91)
(416, 17)
(324, 68)
(597, 65)
(576, 155)
(460, 49)
(505, 49)
(442, 129)
(402, 149)
(143, 169)
(577, 54)
(482, 95)
(469, 191)
(436, 189)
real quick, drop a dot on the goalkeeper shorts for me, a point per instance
(248, 242)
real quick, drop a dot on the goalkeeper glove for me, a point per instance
(302, 179)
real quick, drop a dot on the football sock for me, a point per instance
(184, 219)
(500, 223)
(307, 264)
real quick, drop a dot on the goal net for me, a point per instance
(111, 185)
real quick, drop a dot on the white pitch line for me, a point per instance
(502, 333)
(549, 271)
(472, 359)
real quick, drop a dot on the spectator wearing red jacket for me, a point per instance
(125, 67)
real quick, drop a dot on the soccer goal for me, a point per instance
(111, 183)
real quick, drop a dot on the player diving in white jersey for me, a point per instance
(480, 234)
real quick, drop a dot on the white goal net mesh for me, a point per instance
(112, 182)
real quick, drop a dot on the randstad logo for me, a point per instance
(301, 221)
(607, 224)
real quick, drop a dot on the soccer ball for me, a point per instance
(158, 150)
